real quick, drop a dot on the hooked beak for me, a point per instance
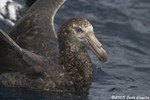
(96, 47)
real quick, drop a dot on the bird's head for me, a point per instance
(80, 32)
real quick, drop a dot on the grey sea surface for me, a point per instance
(123, 27)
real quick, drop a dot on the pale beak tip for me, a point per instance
(104, 56)
(103, 60)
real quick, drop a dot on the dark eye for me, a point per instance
(78, 29)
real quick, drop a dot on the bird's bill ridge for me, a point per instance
(96, 47)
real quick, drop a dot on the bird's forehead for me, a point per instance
(82, 24)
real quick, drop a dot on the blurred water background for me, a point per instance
(123, 26)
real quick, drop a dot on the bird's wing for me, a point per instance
(10, 59)
(7, 41)
(14, 58)
(35, 30)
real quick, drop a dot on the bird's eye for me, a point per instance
(78, 29)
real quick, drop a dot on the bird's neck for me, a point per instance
(76, 63)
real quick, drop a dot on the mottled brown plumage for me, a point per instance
(33, 57)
